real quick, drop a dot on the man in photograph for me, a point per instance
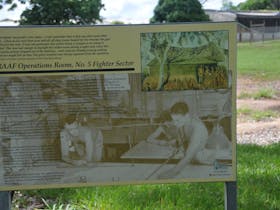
(193, 136)
(80, 144)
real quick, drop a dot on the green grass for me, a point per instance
(257, 115)
(263, 115)
(245, 95)
(259, 177)
(260, 60)
(244, 111)
(258, 188)
(263, 93)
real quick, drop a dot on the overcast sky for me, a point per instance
(128, 11)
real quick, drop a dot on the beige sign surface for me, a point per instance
(85, 106)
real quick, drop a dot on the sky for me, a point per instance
(127, 11)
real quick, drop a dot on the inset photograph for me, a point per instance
(185, 60)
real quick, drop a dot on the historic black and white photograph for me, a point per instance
(105, 128)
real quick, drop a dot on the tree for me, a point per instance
(10, 2)
(202, 1)
(228, 5)
(260, 4)
(160, 45)
(57, 12)
(178, 11)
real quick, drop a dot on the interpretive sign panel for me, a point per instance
(94, 105)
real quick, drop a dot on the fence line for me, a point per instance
(258, 33)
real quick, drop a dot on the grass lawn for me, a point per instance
(261, 59)
(258, 188)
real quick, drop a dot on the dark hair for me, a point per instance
(69, 119)
(165, 116)
(179, 108)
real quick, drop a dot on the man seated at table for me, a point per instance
(80, 144)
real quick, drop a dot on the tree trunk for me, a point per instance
(167, 77)
(161, 68)
(161, 75)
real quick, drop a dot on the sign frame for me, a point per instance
(128, 55)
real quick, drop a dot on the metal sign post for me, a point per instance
(230, 195)
(5, 200)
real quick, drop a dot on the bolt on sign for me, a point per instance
(91, 105)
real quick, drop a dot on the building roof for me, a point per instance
(219, 16)
(258, 14)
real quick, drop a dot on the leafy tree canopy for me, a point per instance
(260, 5)
(228, 5)
(178, 11)
(57, 12)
